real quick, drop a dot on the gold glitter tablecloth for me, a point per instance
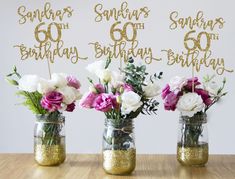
(22, 166)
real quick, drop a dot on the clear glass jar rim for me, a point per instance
(109, 122)
(43, 118)
(197, 118)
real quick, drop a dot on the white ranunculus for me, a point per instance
(59, 79)
(189, 104)
(212, 87)
(117, 79)
(131, 101)
(45, 86)
(70, 94)
(29, 83)
(177, 83)
(104, 75)
(152, 89)
(95, 67)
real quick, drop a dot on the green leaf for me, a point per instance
(12, 82)
(9, 75)
(108, 61)
(32, 101)
(150, 107)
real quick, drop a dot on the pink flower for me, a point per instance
(88, 100)
(204, 95)
(165, 91)
(100, 88)
(52, 101)
(104, 102)
(171, 101)
(70, 107)
(127, 87)
(123, 88)
(73, 82)
(190, 82)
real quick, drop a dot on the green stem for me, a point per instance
(33, 102)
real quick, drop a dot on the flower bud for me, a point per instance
(12, 82)
(119, 99)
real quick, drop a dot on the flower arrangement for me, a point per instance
(47, 98)
(192, 98)
(122, 96)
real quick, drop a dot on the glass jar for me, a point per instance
(119, 153)
(192, 146)
(49, 139)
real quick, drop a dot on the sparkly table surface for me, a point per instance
(22, 166)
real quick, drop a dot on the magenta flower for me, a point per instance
(171, 101)
(204, 95)
(73, 82)
(190, 82)
(70, 107)
(88, 100)
(100, 88)
(104, 102)
(52, 101)
(165, 91)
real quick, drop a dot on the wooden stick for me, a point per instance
(49, 68)
(193, 77)
(120, 65)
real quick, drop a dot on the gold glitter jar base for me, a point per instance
(119, 162)
(49, 155)
(193, 156)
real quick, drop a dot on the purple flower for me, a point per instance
(70, 107)
(204, 95)
(190, 83)
(100, 88)
(88, 100)
(52, 101)
(171, 101)
(73, 82)
(104, 102)
(165, 91)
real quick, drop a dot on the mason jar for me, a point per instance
(49, 139)
(119, 152)
(192, 146)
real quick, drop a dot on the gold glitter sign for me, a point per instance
(197, 42)
(123, 33)
(48, 34)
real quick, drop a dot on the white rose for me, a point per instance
(151, 90)
(130, 102)
(58, 79)
(177, 83)
(104, 75)
(189, 104)
(70, 94)
(29, 83)
(45, 86)
(212, 87)
(96, 66)
(117, 79)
